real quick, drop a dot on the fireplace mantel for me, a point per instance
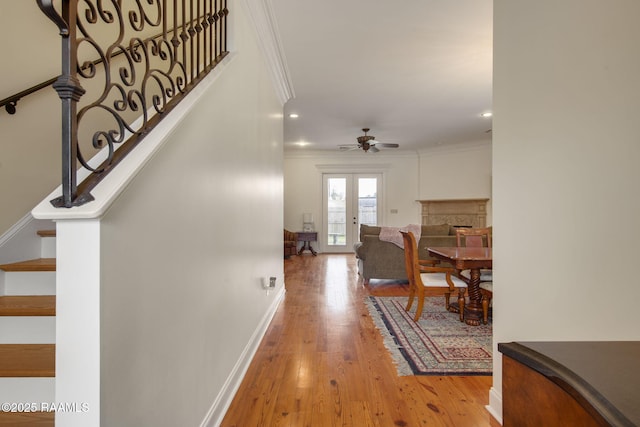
(458, 212)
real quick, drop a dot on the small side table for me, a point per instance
(307, 237)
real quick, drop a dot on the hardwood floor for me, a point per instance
(323, 363)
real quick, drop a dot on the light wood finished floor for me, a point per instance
(323, 363)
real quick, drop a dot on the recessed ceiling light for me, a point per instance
(293, 116)
(487, 114)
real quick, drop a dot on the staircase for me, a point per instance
(27, 338)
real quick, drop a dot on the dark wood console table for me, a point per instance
(307, 237)
(570, 384)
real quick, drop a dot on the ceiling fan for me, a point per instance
(367, 143)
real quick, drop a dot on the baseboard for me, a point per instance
(221, 404)
(495, 405)
(15, 229)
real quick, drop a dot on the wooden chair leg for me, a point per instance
(485, 308)
(420, 305)
(412, 294)
(447, 298)
(461, 303)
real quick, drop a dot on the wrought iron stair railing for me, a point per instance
(125, 65)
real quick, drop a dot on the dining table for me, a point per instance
(467, 258)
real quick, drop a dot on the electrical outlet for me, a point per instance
(269, 282)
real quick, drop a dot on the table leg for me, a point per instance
(307, 246)
(473, 309)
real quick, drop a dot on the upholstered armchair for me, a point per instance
(290, 243)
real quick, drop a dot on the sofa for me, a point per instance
(379, 259)
(290, 243)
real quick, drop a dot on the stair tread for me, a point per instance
(47, 233)
(27, 360)
(39, 264)
(28, 305)
(36, 419)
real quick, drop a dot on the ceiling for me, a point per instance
(417, 73)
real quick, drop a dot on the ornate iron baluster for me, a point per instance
(141, 78)
(69, 90)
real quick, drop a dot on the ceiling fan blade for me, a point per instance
(386, 145)
(348, 147)
(373, 149)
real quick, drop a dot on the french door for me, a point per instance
(349, 200)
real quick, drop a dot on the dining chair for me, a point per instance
(473, 237)
(478, 237)
(422, 277)
(486, 289)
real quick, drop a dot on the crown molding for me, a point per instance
(358, 155)
(355, 155)
(352, 167)
(454, 148)
(260, 14)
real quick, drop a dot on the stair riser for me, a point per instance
(38, 390)
(48, 247)
(30, 283)
(27, 329)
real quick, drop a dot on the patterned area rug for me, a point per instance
(438, 344)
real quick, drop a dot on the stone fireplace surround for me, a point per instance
(456, 212)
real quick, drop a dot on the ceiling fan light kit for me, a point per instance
(364, 142)
(365, 138)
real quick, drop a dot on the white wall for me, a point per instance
(303, 184)
(185, 248)
(565, 174)
(460, 172)
(30, 157)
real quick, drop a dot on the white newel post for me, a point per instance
(78, 323)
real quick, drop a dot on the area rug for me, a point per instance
(438, 344)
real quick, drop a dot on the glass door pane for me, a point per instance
(367, 201)
(349, 200)
(336, 211)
